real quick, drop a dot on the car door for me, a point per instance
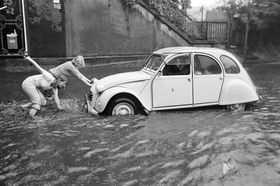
(172, 87)
(207, 79)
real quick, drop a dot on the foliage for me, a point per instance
(129, 2)
(266, 12)
(263, 13)
(161, 5)
(41, 10)
(171, 10)
(264, 16)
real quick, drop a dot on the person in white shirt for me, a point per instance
(45, 81)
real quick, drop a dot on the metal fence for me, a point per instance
(203, 30)
(196, 30)
(206, 30)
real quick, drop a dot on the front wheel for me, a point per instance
(236, 107)
(122, 106)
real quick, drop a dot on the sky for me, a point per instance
(206, 3)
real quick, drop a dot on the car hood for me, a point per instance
(121, 78)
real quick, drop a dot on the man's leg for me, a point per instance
(27, 105)
(42, 98)
(34, 96)
(34, 109)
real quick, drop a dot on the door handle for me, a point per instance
(189, 79)
(221, 78)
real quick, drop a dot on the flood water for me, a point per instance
(204, 146)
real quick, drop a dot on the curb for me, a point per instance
(22, 65)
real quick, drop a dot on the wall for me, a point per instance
(94, 28)
(106, 27)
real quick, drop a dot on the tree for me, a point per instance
(264, 19)
(186, 4)
(262, 11)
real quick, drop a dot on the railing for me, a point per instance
(202, 30)
(205, 30)
(196, 30)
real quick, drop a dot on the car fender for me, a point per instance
(105, 97)
(237, 91)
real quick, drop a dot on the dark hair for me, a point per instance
(57, 84)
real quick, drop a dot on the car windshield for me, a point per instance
(154, 62)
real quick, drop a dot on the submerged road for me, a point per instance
(203, 146)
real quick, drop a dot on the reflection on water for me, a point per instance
(208, 146)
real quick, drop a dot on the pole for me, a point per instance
(2, 8)
(202, 13)
(24, 27)
(201, 24)
(246, 34)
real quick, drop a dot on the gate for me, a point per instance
(12, 33)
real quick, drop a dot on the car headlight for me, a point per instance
(99, 88)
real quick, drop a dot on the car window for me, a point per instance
(205, 65)
(230, 66)
(178, 66)
(154, 62)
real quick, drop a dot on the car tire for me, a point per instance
(122, 106)
(236, 107)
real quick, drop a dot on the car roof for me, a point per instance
(174, 50)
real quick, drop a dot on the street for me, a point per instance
(202, 146)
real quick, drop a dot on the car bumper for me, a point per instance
(89, 107)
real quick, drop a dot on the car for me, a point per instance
(175, 78)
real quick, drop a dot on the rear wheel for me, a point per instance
(123, 106)
(236, 107)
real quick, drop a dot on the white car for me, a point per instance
(175, 78)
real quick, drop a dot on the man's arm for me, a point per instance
(86, 81)
(45, 73)
(56, 99)
(80, 76)
(40, 69)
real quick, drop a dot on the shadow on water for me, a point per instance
(204, 146)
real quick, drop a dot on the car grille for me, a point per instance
(90, 96)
